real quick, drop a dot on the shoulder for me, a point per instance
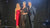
(15, 9)
(33, 7)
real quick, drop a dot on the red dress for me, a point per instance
(17, 17)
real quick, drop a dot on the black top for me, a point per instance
(25, 10)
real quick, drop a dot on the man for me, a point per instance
(32, 12)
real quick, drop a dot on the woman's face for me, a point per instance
(24, 4)
(18, 5)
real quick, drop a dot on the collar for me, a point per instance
(30, 6)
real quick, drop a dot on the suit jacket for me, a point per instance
(32, 11)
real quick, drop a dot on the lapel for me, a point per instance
(31, 8)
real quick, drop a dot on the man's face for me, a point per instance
(29, 3)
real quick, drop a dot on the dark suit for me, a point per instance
(32, 12)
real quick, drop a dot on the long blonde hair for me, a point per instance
(17, 6)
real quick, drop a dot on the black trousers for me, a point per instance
(24, 21)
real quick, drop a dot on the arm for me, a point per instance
(34, 9)
(27, 9)
(15, 14)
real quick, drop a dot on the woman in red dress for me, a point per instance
(17, 14)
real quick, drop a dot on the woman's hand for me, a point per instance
(17, 26)
(24, 13)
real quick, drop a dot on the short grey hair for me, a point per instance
(24, 2)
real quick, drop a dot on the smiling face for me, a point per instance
(29, 3)
(24, 3)
(17, 5)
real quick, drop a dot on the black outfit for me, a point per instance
(24, 23)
